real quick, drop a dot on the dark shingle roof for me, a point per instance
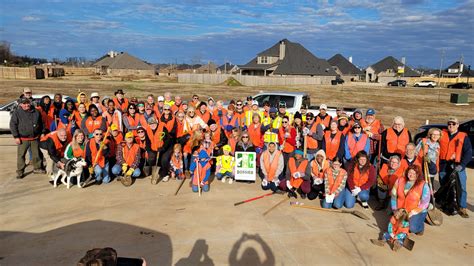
(226, 66)
(390, 62)
(465, 70)
(297, 61)
(346, 67)
(123, 61)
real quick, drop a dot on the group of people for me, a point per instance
(339, 160)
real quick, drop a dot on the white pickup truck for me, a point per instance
(294, 101)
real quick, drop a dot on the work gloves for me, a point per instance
(330, 198)
(356, 191)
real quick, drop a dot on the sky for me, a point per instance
(196, 31)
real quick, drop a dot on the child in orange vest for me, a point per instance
(200, 169)
(398, 229)
(176, 163)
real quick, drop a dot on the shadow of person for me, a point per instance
(67, 245)
(382, 217)
(244, 253)
(198, 255)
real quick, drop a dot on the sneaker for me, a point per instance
(463, 213)
(365, 205)
(166, 178)
(420, 233)
(231, 181)
(292, 193)
(223, 179)
(303, 196)
(378, 242)
(39, 172)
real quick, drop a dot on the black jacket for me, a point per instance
(26, 124)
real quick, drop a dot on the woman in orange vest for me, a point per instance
(271, 167)
(318, 166)
(323, 117)
(98, 161)
(217, 135)
(356, 141)
(229, 121)
(80, 114)
(128, 158)
(313, 134)
(361, 177)
(334, 185)
(395, 139)
(203, 112)
(343, 124)
(234, 139)
(428, 149)
(298, 176)
(121, 103)
(93, 121)
(113, 116)
(412, 193)
(194, 141)
(333, 142)
(219, 112)
(77, 147)
(388, 174)
(45, 107)
(256, 132)
(131, 119)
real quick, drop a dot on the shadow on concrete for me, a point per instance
(198, 255)
(381, 217)
(243, 252)
(67, 245)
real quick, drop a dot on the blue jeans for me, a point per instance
(417, 222)
(351, 200)
(102, 174)
(205, 188)
(117, 170)
(219, 176)
(382, 194)
(463, 181)
(337, 203)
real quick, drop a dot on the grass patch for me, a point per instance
(232, 82)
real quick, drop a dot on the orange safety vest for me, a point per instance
(233, 121)
(255, 134)
(374, 127)
(390, 179)
(156, 137)
(451, 148)
(129, 153)
(397, 227)
(133, 121)
(45, 117)
(216, 136)
(180, 128)
(91, 124)
(79, 152)
(334, 184)
(287, 148)
(177, 162)
(332, 145)
(395, 143)
(60, 147)
(312, 143)
(121, 106)
(315, 169)
(169, 124)
(412, 199)
(296, 182)
(113, 119)
(324, 121)
(78, 117)
(205, 117)
(356, 146)
(215, 115)
(232, 144)
(201, 174)
(359, 178)
(93, 147)
(272, 166)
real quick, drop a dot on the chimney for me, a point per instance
(111, 54)
(350, 59)
(282, 50)
(404, 60)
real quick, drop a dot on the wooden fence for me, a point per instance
(253, 80)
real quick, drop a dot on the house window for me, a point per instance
(263, 60)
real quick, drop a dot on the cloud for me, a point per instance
(30, 18)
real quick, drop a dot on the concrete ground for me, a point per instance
(41, 225)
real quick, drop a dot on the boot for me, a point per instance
(20, 174)
(292, 193)
(463, 213)
(147, 170)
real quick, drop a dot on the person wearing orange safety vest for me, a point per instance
(355, 117)
(323, 118)
(410, 158)
(395, 139)
(77, 147)
(343, 124)
(428, 149)
(313, 133)
(318, 166)
(99, 161)
(271, 167)
(455, 154)
(388, 174)
(121, 103)
(355, 141)
(335, 178)
(412, 193)
(219, 112)
(53, 146)
(113, 116)
(229, 121)
(131, 119)
(128, 158)
(217, 135)
(333, 142)
(361, 177)
(200, 168)
(203, 112)
(93, 121)
(161, 143)
(298, 176)
(373, 128)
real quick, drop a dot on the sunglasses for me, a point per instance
(245, 137)
(309, 117)
(98, 134)
(451, 124)
(357, 127)
(285, 122)
(239, 104)
(131, 108)
(166, 109)
(195, 98)
(141, 131)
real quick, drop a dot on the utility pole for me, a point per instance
(468, 74)
(441, 66)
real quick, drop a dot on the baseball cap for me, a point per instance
(161, 98)
(370, 111)
(282, 104)
(254, 102)
(227, 148)
(26, 90)
(129, 134)
(453, 119)
(300, 152)
(323, 106)
(24, 100)
(94, 94)
(151, 120)
(273, 110)
(113, 127)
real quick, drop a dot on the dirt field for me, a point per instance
(416, 105)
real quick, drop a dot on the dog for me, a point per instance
(72, 168)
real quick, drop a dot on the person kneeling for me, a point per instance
(297, 176)
(334, 183)
(398, 229)
(200, 169)
(225, 165)
(128, 159)
(271, 167)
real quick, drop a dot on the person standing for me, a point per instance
(26, 126)
(455, 154)
(395, 139)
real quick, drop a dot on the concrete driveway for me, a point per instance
(41, 225)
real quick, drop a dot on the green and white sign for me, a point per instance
(245, 166)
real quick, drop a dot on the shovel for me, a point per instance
(357, 214)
